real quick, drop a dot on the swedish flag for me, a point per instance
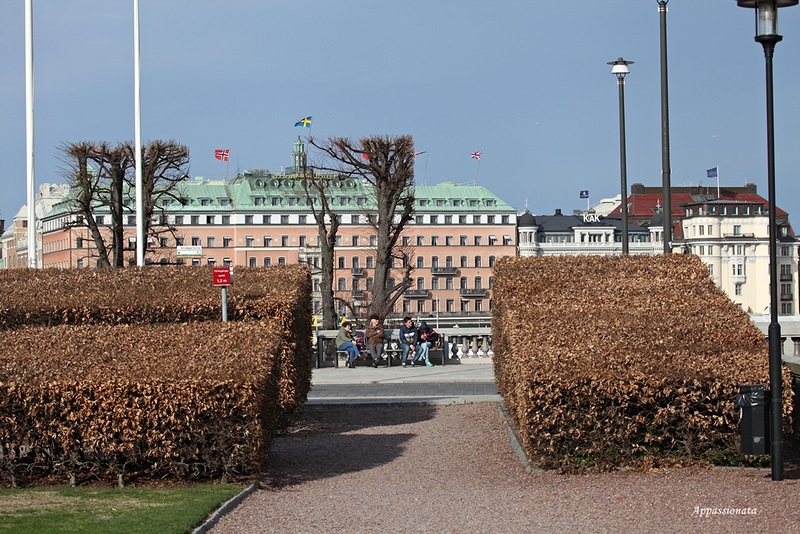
(305, 122)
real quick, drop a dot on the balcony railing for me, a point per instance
(358, 293)
(358, 271)
(444, 270)
(417, 293)
(479, 292)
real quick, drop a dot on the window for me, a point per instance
(340, 262)
(79, 242)
(435, 283)
(737, 229)
(266, 219)
(434, 262)
(373, 240)
(785, 251)
(355, 240)
(490, 219)
(448, 219)
(448, 240)
(492, 240)
(420, 262)
(463, 262)
(449, 305)
(162, 241)
(462, 282)
(434, 219)
(284, 240)
(226, 262)
(477, 261)
(276, 201)
(249, 241)
(281, 260)
(179, 241)
(448, 261)
(506, 240)
(420, 306)
(405, 241)
(284, 219)
(462, 219)
(420, 241)
(478, 305)
(267, 241)
(478, 241)
(211, 262)
(478, 282)
(195, 262)
(210, 219)
(226, 242)
(132, 220)
(195, 241)
(420, 283)
(99, 220)
(354, 262)
(738, 290)
(505, 219)
(302, 240)
(226, 219)
(370, 262)
(195, 219)
(302, 219)
(463, 240)
(251, 262)
(267, 262)
(448, 282)
(418, 219)
(465, 306)
(434, 240)
(210, 241)
(178, 220)
(491, 261)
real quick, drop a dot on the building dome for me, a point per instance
(526, 220)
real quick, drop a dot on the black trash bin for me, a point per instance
(753, 402)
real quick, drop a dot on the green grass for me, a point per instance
(110, 511)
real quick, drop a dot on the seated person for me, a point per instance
(345, 342)
(427, 337)
(409, 338)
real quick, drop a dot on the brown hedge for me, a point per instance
(618, 361)
(197, 400)
(156, 329)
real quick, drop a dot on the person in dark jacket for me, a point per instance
(426, 340)
(374, 334)
(409, 338)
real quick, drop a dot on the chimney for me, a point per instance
(558, 211)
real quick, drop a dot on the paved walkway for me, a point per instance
(471, 381)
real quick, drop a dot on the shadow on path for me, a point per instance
(331, 440)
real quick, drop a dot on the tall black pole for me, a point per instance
(623, 171)
(665, 165)
(774, 331)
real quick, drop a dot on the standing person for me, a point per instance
(345, 341)
(409, 338)
(374, 334)
(426, 339)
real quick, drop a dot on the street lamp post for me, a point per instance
(620, 68)
(767, 35)
(666, 171)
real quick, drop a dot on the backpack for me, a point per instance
(360, 339)
(431, 336)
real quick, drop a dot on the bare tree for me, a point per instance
(101, 175)
(387, 165)
(327, 227)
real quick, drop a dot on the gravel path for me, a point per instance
(451, 468)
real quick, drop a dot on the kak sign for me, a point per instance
(221, 276)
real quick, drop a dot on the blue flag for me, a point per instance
(585, 193)
(712, 173)
(305, 122)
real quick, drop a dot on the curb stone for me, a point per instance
(516, 444)
(227, 507)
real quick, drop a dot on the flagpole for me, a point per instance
(32, 254)
(137, 120)
(717, 181)
(477, 171)
(425, 172)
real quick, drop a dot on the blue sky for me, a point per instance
(523, 81)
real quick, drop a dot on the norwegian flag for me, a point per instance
(476, 155)
(222, 154)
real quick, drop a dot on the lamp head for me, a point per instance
(620, 67)
(766, 15)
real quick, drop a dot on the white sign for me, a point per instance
(184, 251)
(589, 218)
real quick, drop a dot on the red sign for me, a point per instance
(222, 276)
